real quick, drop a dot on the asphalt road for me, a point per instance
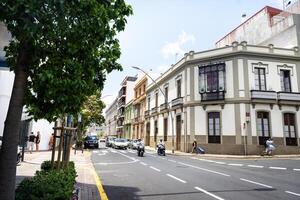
(125, 176)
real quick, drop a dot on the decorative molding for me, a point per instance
(285, 67)
(260, 65)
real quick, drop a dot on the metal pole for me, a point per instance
(169, 107)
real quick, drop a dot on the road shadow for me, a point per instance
(19, 179)
(121, 192)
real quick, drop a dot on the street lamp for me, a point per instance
(169, 108)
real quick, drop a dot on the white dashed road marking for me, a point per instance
(235, 164)
(155, 169)
(256, 166)
(293, 193)
(296, 169)
(221, 163)
(143, 163)
(264, 185)
(174, 161)
(283, 168)
(210, 194)
(174, 177)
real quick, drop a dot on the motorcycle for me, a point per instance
(140, 149)
(161, 150)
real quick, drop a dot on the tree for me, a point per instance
(60, 53)
(92, 110)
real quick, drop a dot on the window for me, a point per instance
(178, 82)
(140, 91)
(262, 126)
(260, 78)
(212, 78)
(136, 94)
(148, 103)
(289, 129)
(285, 80)
(214, 127)
(165, 129)
(144, 86)
(166, 94)
(156, 99)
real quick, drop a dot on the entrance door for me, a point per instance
(147, 142)
(178, 132)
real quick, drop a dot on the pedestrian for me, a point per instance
(31, 141)
(195, 146)
(51, 141)
(37, 141)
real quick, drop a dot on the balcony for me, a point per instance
(154, 110)
(265, 95)
(289, 98)
(213, 96)
(177, 102)
(163, 106)
(147, 113)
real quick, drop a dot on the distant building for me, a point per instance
(229, 99)
(111, 119)
(129, 117)
(139, 105)
(269, 26)
(124, 97)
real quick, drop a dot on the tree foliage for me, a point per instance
(92, 110)
(72, 47)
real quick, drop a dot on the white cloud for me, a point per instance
(173, 48)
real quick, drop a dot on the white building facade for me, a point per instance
(111, 119)
(229, 99)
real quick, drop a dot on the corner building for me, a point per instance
(229, 99)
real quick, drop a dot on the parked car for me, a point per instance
(133, 144)
(110, 141)
(120, 143)
(91, 141)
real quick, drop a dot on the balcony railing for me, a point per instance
(177, 102)
(147, 113)
(163, 106)
(213, 96)
(267, 95)
(288, 96)
(154, 110)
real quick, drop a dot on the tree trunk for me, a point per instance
(8, 153)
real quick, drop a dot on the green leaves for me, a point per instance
(73, 47)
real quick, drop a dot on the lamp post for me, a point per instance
(169, 108)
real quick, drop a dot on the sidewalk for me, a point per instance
(87, 179)
(222, 156)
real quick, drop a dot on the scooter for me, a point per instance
(161, 150)
(140, 149)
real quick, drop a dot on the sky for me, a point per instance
(160, 31)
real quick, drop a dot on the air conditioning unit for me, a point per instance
(202, 90)
(221, 88)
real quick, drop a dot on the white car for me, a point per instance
(120, 143)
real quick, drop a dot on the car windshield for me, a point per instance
(120, 140)
(91, 138)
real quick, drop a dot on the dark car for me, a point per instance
(90, 142)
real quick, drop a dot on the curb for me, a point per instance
(102, 193)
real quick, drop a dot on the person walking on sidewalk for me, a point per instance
(37, 141)
(195, 146)
(31, 141)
